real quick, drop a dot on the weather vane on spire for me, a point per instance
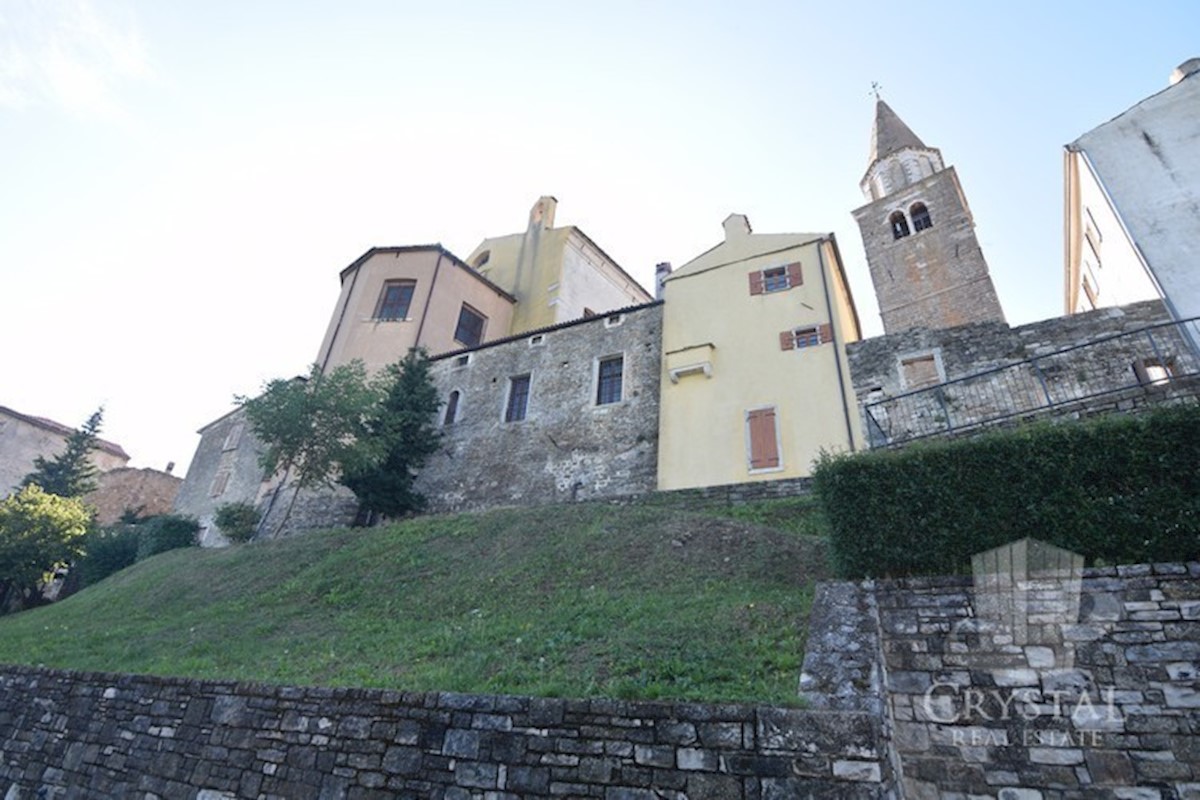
(875, 87)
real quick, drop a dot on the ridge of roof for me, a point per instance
(414, 248)
(57, 427)
(558, 326)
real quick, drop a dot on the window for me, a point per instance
(470, 326)
(609, 378)
(462, 361)
(810, 336)
(451, 408)
(218, 485)
(395, 300)
(481, 259)
(776, 279)
(613, 320)
(518, 398)
(1152, 371)
(899, 225)
(537, 340)
(233, 437)
(920, 370)
(920, 217)
(762, 440)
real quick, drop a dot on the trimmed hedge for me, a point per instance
(1118, 489)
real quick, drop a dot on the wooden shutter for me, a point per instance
(787, 340)
(764, 451)
(825, 332)
(795, 274)
(756, 282)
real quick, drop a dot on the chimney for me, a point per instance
(736, 225)
(542, 213)
(661, 271)
(170, 467)
(1185, 70)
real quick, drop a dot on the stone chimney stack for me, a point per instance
(661, 271)
(542, 213)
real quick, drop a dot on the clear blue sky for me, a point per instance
(182, 181)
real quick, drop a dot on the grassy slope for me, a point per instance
(585, 600)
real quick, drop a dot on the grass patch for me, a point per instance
(798, 515)
(582, 600)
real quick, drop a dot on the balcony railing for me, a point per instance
(1153, 357)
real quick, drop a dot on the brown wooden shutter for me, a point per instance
(764, 451)
(795, 274)
(825, 332)
(756, 282)
(787, 340)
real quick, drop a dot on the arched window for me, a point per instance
(451, 408)
(920, 217)
(482, 259)
(899, 225)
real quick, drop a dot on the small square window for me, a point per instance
(539, 339)
(395, 300)
(518, 398)
(469, 330)
(775, 280)
(462, 361)
(920, 371)
(613, 320)
(807, 337)
(609, 380)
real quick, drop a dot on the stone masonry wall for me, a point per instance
(568, 447)
(1091, 691)
(91, 735)
(967, 350)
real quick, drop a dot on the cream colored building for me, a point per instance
(24, 437)
(397, 298)
(755, 380)
(558, 274)
(1131, 191)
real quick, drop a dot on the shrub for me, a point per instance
(237, 521)
(1119, 489)
(106, 551)
(166, 532)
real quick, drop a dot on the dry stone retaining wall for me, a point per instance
(92, 735)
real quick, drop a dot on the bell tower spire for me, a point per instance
(919, 235)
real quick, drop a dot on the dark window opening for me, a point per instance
(920, 217)
(899, 225)
(518, 399)
(470, 326)
(395, 300)
(451, 408)
(609, 380)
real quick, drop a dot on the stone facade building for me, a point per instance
(563, 413)
(23, 438)
(926, 264)
(148, 492)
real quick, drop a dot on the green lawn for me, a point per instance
(582, 600)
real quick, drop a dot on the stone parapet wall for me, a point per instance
(92, 735)
(1090, 690)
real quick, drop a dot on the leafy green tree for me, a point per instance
(38, 532)
(311, 426)
(71, 473)
(400, 436)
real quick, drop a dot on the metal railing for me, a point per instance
(1146, 358)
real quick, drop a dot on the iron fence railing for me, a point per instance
(1153, 356)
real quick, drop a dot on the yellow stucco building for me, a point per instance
(559, 274)
(755, 380)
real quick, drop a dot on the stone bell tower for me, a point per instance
(919, 235)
